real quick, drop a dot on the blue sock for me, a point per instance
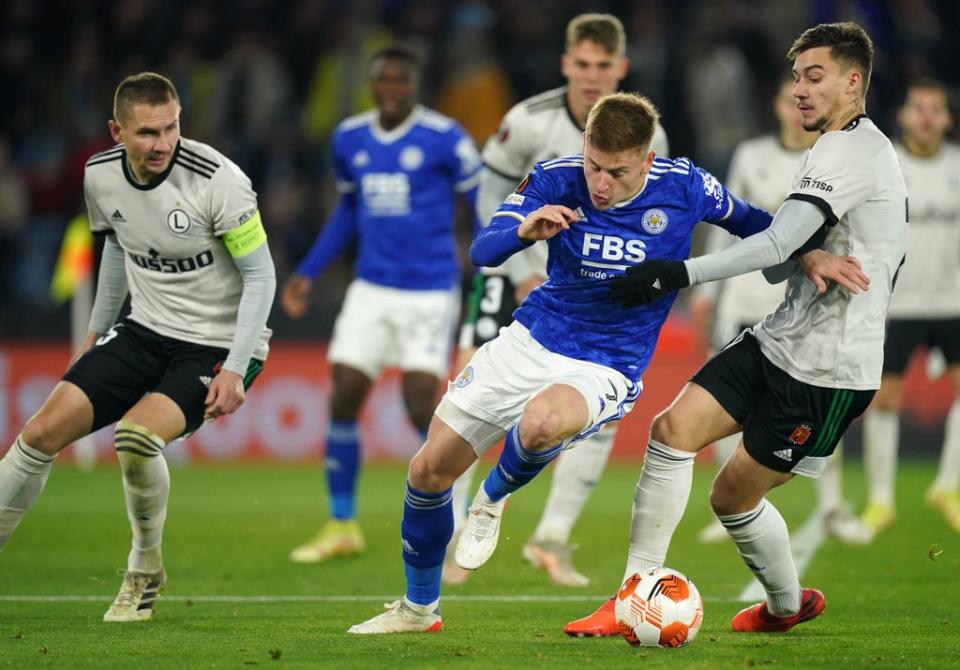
(342, 465)
(516, 466)
(426, 528)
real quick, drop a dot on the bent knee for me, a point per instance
(540, 427)
(42, 434)
(667, 429)
(424, 475)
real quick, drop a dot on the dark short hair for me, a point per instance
(145, 88)
(397, 52)
(848, 42)
(620, 122)
(603, 29)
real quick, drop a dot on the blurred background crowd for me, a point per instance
(266, 81)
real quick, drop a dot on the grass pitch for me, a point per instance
(233, 599)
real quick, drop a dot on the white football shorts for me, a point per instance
(380, 327)
(488, 396)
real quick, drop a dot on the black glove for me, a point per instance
(648, 281)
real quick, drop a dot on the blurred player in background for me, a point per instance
(183, 233)
(793, 384)
(570, 362)
(546, 126)
(398, 169)
(925, 308)
(761, 172)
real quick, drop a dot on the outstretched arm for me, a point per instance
(508, 233)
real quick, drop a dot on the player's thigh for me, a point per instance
(443, 457)
(186, 383)
(890, 393)
(742, 483)
(423, 323)
(362, 337)
(490, 307)
(695, 419)
(796, 426)
(716, 401)
(65, 416)
(124, 364)
(557, 412)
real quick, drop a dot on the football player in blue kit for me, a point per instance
(570, 362)
(398, 168)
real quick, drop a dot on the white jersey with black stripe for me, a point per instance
(537, 129)
(183, 282)
(835, 339)
(929, 283)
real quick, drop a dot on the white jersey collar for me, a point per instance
(390, 136)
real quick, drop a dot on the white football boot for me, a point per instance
(138, 591)
(481, 531)
(400, 617)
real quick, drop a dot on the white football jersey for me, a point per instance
(835, 339)
(537, 129)
(761, 172)
(182, 279)
(929, 283)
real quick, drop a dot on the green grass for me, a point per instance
(230, 528)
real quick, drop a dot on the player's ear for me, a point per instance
(565, 64)
(622, 67)
(114, 130)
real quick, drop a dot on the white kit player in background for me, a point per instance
(925, 308)
(544, 127)
(761, 172)
(183, 234)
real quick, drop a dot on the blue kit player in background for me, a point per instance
(398, 170)
(570, 362)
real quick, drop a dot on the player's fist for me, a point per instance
(295, 297)
(544, 223)
(648, 281)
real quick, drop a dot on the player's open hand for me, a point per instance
(544, 223)
(295, 297)
(649, 281)
(821, 266)
(225, 395)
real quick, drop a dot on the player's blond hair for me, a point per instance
(145, 88)
(620, 122)
(603, 29)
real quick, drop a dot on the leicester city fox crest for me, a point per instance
(654, 221)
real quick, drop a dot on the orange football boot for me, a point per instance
(601, 623)
(757, 619)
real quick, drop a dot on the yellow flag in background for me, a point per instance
(75, 262)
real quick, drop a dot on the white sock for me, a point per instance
(830, 484)
(462, 490)
(23, 472)
(764, 545)
(881, 433)
(422, 610)
(658, 505)
(574, 477)
(146, 486)
(948, 474)
(724, 447)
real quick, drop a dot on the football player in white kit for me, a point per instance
(183, 235)
(925, 309)
(760, 172)
(541, 128)
(793, 384)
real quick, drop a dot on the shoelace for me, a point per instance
(132, 590)
(484, 523)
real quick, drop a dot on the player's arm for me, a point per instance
(339, 232)
(111, 292)
(794, 224)
(509, 232)
(247, 244)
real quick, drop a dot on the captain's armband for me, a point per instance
(245, 238)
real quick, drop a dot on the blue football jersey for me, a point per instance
(405, 182)
(570, 314)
